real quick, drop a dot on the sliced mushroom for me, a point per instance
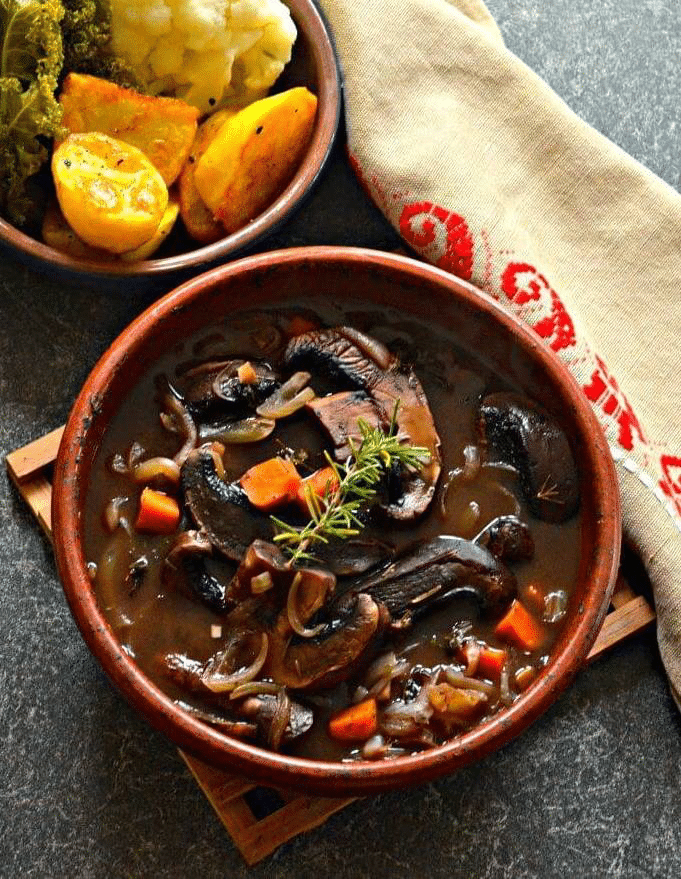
(240, 729)
(262, 709)
(339, 415)
(361, 363)
(435, 571)
(216, 385)
(508, 538)
(321, 663)
(261, 557)
(517, 431)
(188, 554)
(219, 508)
(350, 558)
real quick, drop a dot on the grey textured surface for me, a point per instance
(88, 790)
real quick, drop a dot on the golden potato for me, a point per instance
(58, 234)
(163, 128)
(165, 227)
(197, 219)
(109, 192)
(254, 155)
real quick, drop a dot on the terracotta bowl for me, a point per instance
(314, 65)
(356, 277)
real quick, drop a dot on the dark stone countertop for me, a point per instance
(88, 790)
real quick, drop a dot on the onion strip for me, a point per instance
(287, 399)
(292, 611)
(465, 683)
(255, 688)
(219, 683)
(187, 425)
(157, 468)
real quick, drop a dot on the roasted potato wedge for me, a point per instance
(109, 192)
(58, 234)
(254, 155)
(165, 227)
(163, 128)
(197, 219)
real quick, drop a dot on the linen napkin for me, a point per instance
(486, 172)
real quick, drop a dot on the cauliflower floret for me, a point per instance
(208, 52)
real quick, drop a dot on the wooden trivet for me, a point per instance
(260, 819)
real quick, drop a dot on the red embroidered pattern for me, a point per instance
(605, 393)
(671, 479)
(523, 284)
(419, 223)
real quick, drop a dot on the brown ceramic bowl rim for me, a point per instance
(331, 778)
(329, 92)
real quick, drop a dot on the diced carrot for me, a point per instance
(491, 662)
(271, 483)
(520, 629)
(355, 723)
(533, 595)
(246, 374)
(299, 325)
(158, 512)
(320, 482)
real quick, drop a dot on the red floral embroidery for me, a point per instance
(604, 391)
(419, 224)
(671, 479)
(523, 285)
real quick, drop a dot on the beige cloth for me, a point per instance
(487, 173)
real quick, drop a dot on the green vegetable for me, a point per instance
(39, 41)
(86, 30)
(30, 63)
(335, 515)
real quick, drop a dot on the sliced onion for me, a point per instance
(281, 719)
(248, 430)
(114, 559)
(472, 463)
(555, 606)
(374, 748)
(505, 694)
(157, 468)
(220, 683)
(187, 427)
(287, 399)
(472, 651)
(112, 513)
(384, 669)
(292, 611)
(255, 688)
(359, 695)
(457, 679)
(404, 718)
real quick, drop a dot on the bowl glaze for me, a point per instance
(365, 277)
(314, 65)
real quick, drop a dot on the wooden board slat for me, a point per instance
(626, 620)
(257, 837)
(27, 462)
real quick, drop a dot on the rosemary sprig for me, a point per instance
(356, 485)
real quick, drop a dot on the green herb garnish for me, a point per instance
(336, 514)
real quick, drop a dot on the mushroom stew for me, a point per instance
(334, 534)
